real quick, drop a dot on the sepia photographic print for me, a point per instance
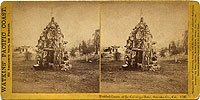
(100, 50)
(144, 47)
(55, 47)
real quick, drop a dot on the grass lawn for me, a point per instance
(171, 78)
(82, 78)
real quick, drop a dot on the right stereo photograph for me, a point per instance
(144, 47)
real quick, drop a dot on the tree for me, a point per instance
(91, 45)
(97, 40)
(28, 55)
(85, 49)
(163, 52)
(72, 52)
(79, 47)
(185, 42)
(76, 48)
(173, 50)
(117, 56)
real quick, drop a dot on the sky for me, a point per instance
(167, 21)
(77, 20)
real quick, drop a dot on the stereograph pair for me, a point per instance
(102, 47)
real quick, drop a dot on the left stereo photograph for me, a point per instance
(55, 47)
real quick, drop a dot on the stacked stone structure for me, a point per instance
(140, 51)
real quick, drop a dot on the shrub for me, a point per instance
(28, 55)
(117, 56)
(72, 52)
(163, 51)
